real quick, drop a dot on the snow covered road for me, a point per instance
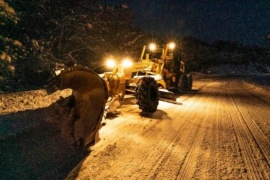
(221, 131)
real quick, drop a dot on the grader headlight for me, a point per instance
(152, 47)
(127, 63)
(110, 63)
(171, 45)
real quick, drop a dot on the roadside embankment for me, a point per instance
(259, 89)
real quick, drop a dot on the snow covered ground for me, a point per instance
(221, 131)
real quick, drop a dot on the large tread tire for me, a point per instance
(147, 94)
(182, 86)
(189, 82)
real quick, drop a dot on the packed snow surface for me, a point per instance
(221, 130)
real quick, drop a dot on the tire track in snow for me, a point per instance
(167, 149)
(252, 142)
(186, 164)
(123, 165)
(188, 167)
(163, 150)
(198, 162)
(208, 162)
(230, 160)
(261, 140)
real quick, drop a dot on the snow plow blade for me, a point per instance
(165, 94)
(89, 98)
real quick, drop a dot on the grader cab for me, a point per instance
(167, 62)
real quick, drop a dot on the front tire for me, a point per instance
(147, 94)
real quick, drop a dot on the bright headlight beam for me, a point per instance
(152, 46)
(127, 63)
(110, 63)
(172, 45)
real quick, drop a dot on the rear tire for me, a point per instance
(189, 82)
(147, 94)
(182, 84)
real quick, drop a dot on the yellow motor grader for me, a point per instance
(94, 94)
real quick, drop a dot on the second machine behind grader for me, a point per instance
(166, 61)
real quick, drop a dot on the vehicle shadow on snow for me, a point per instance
(158, 115)
(193, 91)
(33, 148)
(130, 101)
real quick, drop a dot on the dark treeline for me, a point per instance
(200, 55)
(36, 34)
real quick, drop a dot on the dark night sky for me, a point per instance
(244, 21)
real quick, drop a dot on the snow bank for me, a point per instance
(262, 91)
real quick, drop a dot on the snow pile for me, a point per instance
(36, 136)
(22, 111)
(29, 100)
